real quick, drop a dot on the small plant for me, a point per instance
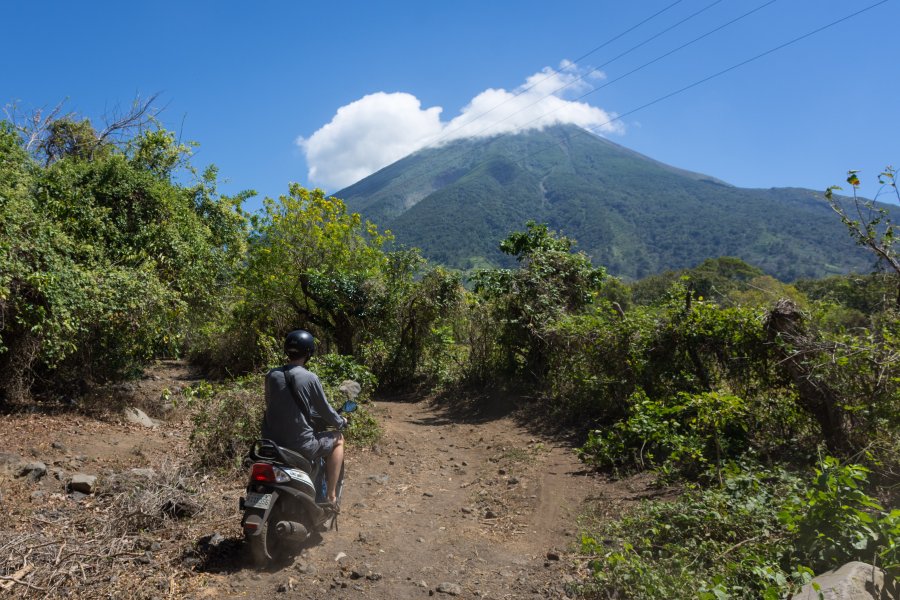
(835, 520)
(227, 420)
(762, 533)
(689, 431)
(333, 369)
(717, 543)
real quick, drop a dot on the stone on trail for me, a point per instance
(82, 483)
(350, 389)
(138, 417)
(853, 581)
(11, 462)
(451, 589)
(34, 470)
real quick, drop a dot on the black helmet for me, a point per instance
(299, 343)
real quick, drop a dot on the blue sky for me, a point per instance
(319, 93)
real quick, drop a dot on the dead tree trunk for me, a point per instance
(795, 348)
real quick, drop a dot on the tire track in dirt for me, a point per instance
(483, 507)
(447, 497)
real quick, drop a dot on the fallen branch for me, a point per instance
(10, 580)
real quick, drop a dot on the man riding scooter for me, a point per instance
(295, 400)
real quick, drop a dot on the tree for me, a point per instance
(52, 135)
(105, 260)
(550, 282)
(870, 224)
(310, 258)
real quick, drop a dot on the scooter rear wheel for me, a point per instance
(267, 547)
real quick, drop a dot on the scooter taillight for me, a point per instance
(266, 473)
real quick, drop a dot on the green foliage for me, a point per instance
(333, 369)
(725, 542)
(226, 420)
(414, 344)
(761, 534)
(847, 301)
(680, 346)
(687, 432)
(314, 265)
(364, 429)
(550, 283)
(835, 520)
(871, 225)
(106, 261)
(713, 279)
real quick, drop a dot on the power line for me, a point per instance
(720, 73)
(733, 67)
(749, 60)
(554, 72)
(643, 66)
(647, 64)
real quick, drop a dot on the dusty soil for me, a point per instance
(447, 503)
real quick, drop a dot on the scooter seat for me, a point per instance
(269, 451)
(295, 459)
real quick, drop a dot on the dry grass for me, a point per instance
(129, 540)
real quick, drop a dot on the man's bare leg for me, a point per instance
(333, 467)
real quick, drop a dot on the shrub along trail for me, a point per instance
(441, 506)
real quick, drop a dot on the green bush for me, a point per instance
(724, 542)
(227, 417)
(332, 369)
(106, 259)
(835, 520)
(761, 534)
(688, 432)
(226, 420)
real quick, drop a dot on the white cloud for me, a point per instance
(381, 128)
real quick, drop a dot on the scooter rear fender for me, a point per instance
(277, 491)
(263, 516)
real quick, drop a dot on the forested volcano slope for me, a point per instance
(630, 213)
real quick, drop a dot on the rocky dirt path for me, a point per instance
(478, 509)
(447, 504)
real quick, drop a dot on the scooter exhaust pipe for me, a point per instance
(290, 529)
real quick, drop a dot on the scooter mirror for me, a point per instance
(349, 406)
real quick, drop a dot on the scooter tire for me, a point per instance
(258, 551)
(266, 547)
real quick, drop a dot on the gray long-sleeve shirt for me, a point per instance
(284, 422)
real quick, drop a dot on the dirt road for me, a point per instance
(461, 506)
(480, 509)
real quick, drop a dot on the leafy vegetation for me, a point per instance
(106, 259)
(762, 533)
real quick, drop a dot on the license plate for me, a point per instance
(255, 500)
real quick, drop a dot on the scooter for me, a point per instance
(286, 500)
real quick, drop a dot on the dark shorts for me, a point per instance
(325, 446)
